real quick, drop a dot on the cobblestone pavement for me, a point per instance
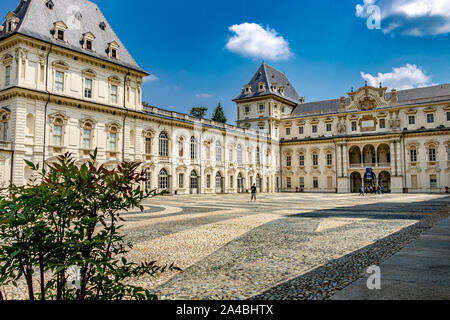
(284, 246)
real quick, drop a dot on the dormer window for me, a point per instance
(59, 30)
(88, 41)
(113, 50)
(11, 22)
(49, 4)
(261, 87)
(247, 89)
(282, 90)
(274, 86)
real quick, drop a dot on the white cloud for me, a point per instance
(150, 78)
(411, 17)
(407, 77)
(203, 95)
(252, 40)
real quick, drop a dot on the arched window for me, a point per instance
(218, 182)
(181, 147)
(194, 148)
(148, 181)
(163, 180)
(5, 127)
(113, 139)
(194, 180)
(57, 132)
(148, 145)
(218, 151)
(87, 136)
(239, 153)
(163, 145)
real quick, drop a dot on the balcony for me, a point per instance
(369, 165)
(5, 145)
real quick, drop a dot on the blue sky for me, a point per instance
(322, 46)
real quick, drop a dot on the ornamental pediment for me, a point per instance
(368, 98)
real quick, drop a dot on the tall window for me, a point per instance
(148, 181)
(218, 151)
(301, 182)
(87, 136)
(448, 116)
(113, 141)
(413, 153)
(8, 76)
(288, 182)
(328, 127)
(88, 88)
(314, 129)
(181, 180)
(194, 180)
(382, 123)
(194, 148)
(113, 96)
(288, 131)
(315, 182)
(432, 154)
(258, 156)
(181, 148)
(218, 181)
(57, 133)
(448, 153)
(354, 126)
(163, 180)
(430, 117)
(301, 160)
(239, 153)
(433, 181)
(59, 81)
(300, 130)
(288, 161)
(4, 124)
(329, 159)
(412, 120)
(148, 145)
(163, 145)
(315, 160)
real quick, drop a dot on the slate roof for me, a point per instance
(81, 16)
(268, 75)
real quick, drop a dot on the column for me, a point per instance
(393, 159)
(345, 161)
(339, 160)
(399, 160)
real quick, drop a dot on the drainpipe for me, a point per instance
(404, 161)
(126, 114)
(46, 105)
(281, 169)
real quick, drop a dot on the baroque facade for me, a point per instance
(68, 84)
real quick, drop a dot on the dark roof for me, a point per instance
(405, 97)
(81, 16)
(269, 75)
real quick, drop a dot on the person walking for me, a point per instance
(253, 192)
(361, 191)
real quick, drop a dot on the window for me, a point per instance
(60, 35)
(382, 123)
(89, 45)
(430, 117)
(218, 151)
(163, 145)
(247, 109)
(163, 180)
(231, 181)
(288, 182)
(433, 181)
(113, 141)
(262, 128)
(301, 182)
(239, 153)
(113, 97)
(354, 126)
(329, 159)
(57, 133)
(300, 130)
(114, 53)
(87, 137)
(4, 128)
(328, 127)
(261, 107)
(258, 156)
(315, 183)
(148, 181)
(218, 181)
(88, 88)
(7, 75)
(208, 181)
(411, 119)
(413, 155)
(194, 151)
(148, 145)
(59, 81)
(288, 161)
(301, 160)
(181, 180)
(315, 160)
(432, 154)
(288, 131)
(448, 116)
(194, 180)
(314, 128)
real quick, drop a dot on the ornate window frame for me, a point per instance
(89, 124)
(88, 37)
(60, 119)
(113, 50)
(60, 26)
(113, 127)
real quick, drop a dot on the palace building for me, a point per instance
(68, 84)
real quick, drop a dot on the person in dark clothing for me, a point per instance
(253, 192)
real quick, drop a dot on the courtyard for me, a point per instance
(284, 246)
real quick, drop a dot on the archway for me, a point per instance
(163, 181)
(384, 155)
(384, 180)
(355, 156)
(355, 182)
(240, 183)
(194, 182)
(258, 183)
(369, 156)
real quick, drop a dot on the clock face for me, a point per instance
(73, 17)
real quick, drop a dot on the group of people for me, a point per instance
(370, 189)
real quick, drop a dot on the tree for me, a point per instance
(199, 112)
(219, 116)
(66, 227)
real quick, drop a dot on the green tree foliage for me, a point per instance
(219, 116)
(69, 217)
(199, 112)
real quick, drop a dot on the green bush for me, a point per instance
(70, 216)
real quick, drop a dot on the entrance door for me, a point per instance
(240, 184)
(194, 182)
(219, 183)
